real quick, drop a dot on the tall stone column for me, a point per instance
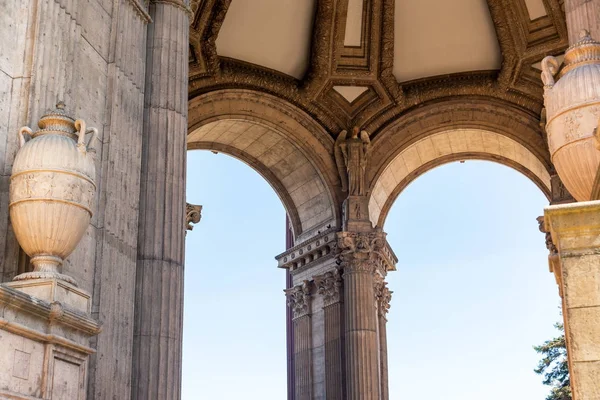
(329, 287)
(383, 296)
(299, 301)
(361, 256)
(575, 229)
(582, 14)
(160, 257)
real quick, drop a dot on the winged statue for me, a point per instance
(351, 155)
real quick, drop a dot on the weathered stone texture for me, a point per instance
(158, 323)
(575, 230)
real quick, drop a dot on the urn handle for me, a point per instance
(549, 69)
(90, 147)
(22, 132)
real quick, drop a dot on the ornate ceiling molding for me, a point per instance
(523, 42)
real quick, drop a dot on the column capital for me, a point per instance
(383, 296)
(329, 285)
(193, 215)
(365, 252)
(298, 298)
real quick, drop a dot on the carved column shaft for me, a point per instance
(383, 296)
(362, 370)
(363, 256)
(299, 302)
(330, 288)
(160, 259)
(582, 14)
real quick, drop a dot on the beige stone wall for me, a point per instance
(91, 55)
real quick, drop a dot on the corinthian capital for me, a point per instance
(298, 298)
(193, 215)
(365, 252)
(383, 296)
(329, 285)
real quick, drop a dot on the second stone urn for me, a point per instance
(52, 190)
(572, 100)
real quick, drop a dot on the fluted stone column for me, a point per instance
(160, 258)
(361, 255)
(299, 299)
(582, 14)
(383, 297)
(330, 288)
(575, 229)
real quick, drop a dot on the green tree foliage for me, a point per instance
(554, 366)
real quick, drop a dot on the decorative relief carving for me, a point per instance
(351, 156)
(553, 257)
(383, 297)
(365, 252)
(549, 243)
(520, 49)
(193, 215)
(298, 299)
(329, 285)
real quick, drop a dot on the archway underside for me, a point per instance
(261, 132)
(448, 146)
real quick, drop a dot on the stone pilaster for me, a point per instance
(299, 299)
(575, 229)
(383, 296)
(160, 257)
(361, 256)
(330, 288)
(582, 14)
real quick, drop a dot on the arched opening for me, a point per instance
(446, 146)
(234, 313)
(472, 291)
(291, 151)
(293, 155)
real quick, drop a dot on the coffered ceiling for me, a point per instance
(366, 62)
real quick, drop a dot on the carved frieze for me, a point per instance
(298, 299)
(329, 286)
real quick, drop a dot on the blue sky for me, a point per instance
(472, 293)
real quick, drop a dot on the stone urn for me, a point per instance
(572, 100)
(52, 191)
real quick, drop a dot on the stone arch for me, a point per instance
(452, 131)
(282, 143)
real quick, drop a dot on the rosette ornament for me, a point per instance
(572, 100)
(52, 191)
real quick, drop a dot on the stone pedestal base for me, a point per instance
(575, 230)
(44, 343)
(51, 290)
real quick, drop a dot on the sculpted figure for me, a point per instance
(351, 155)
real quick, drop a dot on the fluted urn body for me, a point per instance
(573, 108)
(52, 191)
